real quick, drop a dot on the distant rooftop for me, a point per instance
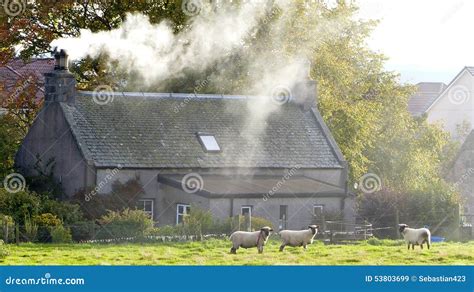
(425, 95)
(16, 68)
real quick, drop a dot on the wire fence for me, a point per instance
(333, 232)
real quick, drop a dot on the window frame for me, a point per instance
(185, 207)
(321, 206)
(143, 200)
(203, 144)
(246, 207)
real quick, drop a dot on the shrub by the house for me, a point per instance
(46, 222)
(60, 234)
(124, 224)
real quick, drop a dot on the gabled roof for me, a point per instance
(426, 94)
(468, 69)
(147, 131)
(17, 68)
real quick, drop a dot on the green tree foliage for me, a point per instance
(19, 205)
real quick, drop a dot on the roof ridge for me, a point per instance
(173, 95)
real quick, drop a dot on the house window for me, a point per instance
(182, 210)
(318, 211)
(246, 211)
(147, 206)
(209, 142)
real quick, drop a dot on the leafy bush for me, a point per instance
(258, 222)
(60, 234)
(44, 183)
(31, 229)
(19, 205)
(82, 230)
(3, 251)
(45, 223)
(198, 222)
(388, 208)
(7, 228)
(126, 223)
(67, 212)
(123, 195)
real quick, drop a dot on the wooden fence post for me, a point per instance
(17, 233)
(5, 228)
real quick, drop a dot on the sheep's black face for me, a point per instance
(313, 228)
(266, 231)
(401, 227)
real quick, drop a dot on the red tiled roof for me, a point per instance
(17, 68)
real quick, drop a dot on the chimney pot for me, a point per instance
(305, 89)
(60, 85)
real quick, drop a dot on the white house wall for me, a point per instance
(455, 105)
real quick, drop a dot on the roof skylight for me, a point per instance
(209, 142)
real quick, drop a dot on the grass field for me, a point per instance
(216, 252)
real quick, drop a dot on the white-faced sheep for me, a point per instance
(415, 236)
(250, 239)
(298, 237)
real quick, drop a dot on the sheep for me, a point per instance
(298, 237)
(415, 236)
(250, 239)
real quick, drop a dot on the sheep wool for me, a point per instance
(298, 237)
(246, 239)
(414, 236)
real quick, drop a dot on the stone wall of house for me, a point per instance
(455, 106)
(50, 138)
(300, 212)
(166, 198)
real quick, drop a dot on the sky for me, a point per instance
(425, 40)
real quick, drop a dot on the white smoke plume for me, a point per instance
(156, 53)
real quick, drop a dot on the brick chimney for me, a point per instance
(60, 84)
(304, 91)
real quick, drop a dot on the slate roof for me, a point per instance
(426, 94)
(17, 68)
(159, 131)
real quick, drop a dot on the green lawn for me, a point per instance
(216, 252)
